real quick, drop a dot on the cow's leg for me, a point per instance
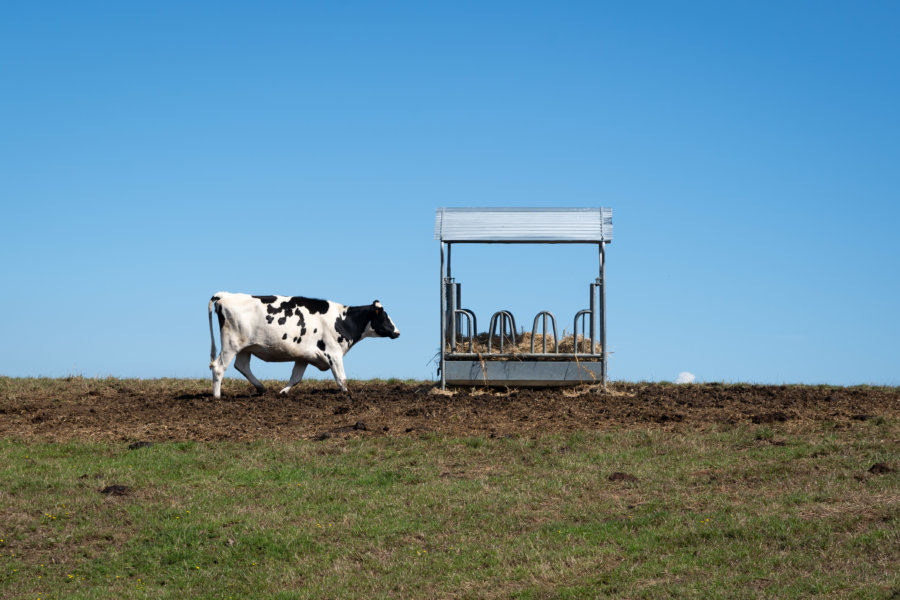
(242, 364)
(337, 369)
(296, 376)
(218, 367)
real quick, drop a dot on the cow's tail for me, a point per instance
(212, 337)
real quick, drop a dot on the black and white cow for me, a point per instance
(294, 329)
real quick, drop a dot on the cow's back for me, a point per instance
(277, 328)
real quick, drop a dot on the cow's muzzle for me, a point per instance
(395, 335)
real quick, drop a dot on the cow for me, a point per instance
(305, 331)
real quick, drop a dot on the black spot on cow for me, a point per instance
(284, 337)
(269, 319)
(321, 344)
(313, 305)
(316, 330)
(270, 301)
(290, 307)
(219, 314)
(352, 325)
(328, 356)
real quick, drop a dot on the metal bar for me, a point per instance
(509, 318)
(449, 305)
(452, 302)
(510, 355)
(604, 352)
(545, 314)
(512, 327)
(555, 334)
(443, 350)
(457, 302)
(501, 318)
(544, 339)
(491, 331)
(470, 320)
(593, 316)
(525, 242)
(470, 316)
(581, 314)
(528, 373)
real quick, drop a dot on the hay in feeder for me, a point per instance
(523, 344)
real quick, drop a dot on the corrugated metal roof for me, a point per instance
(523, 225)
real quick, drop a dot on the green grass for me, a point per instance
(742, 512)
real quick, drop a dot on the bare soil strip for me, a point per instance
(181, 410)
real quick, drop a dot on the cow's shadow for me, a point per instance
(226, 397)
(252, 394)
(192, 396)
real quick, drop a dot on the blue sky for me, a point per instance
(152, 154)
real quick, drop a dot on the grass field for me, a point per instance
(724, 511)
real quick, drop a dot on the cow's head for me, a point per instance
(381, 322)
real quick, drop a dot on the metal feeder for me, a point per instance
(543, 365)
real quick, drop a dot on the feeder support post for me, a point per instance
(443, 322)
(602, 284)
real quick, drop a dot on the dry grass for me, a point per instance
(567, 344)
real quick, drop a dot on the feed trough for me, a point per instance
(502, 354)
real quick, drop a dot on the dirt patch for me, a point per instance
(773, 417)
(179, 410)
(880, 469)
(619, 476)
